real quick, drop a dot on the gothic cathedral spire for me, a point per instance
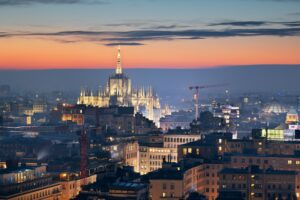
(119, 67)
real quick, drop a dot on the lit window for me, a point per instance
(189, 150)
(290, 162)
(297, 162)
(163, 194)
(220, 148)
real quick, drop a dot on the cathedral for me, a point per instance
(119, 92)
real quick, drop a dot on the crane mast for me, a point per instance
(196, 89)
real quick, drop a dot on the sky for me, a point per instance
(62, 34)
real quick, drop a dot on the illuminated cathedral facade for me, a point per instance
(119, 92)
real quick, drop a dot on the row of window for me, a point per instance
(38, 195)
(259, 161)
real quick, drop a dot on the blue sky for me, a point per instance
(194, 12)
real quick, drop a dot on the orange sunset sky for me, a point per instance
(40, 35)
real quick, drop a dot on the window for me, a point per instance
(189, 150)
(172, 186)
(164, 186)
(290, 162)
(258, 161)
(164, 194)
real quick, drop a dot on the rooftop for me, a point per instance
(255, 170)
(127, 186)
(197, 143)
(166, 174)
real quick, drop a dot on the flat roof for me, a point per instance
(127, 186)
(166, 174)
(255, 171)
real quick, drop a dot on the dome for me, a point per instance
(275, 108)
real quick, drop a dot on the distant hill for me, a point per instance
(172, 82)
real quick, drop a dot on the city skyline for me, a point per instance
(41, 34)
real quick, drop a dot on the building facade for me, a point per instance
(119, 91)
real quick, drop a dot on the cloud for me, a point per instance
(172, 26)
(137, 37)
(294, 14)
(124, 44)
(256, 23)
(291, 24)
(240, 23)
(29, 2)
(3, 34)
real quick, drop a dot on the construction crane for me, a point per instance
(196, 95)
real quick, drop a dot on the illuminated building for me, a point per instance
(28, 183)
(20, 175)
(166, 184)
(283, 133)
(275, 108)
(166, 110)
(152, 155)
(176, 119)
(128, 190)
(119, 91)
(230, 114)
(265, 161)
(178, 181)
(37, 107)
(72, 184)
(254, 183)
(174, 140)
(131, 151)
(72, 113)
(210, 147)
(149, 156)
(272, 134)
(121, 120)
(206, 180)
(292, 117)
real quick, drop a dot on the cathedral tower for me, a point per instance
(119, 66)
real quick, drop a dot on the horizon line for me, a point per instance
(142, 68)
